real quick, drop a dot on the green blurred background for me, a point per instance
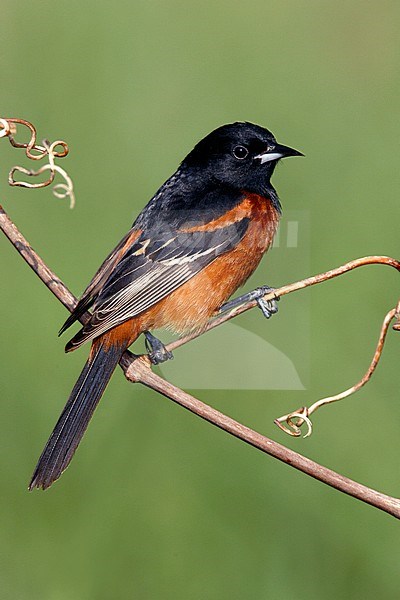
(158, 504)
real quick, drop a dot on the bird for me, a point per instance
(192, 246)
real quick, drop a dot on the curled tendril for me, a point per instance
(31, 145)
(302, 415)
(30, 173)
(34, 151)
(293, 426)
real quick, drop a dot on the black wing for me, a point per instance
(154, 266)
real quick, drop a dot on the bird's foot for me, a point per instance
(268, 307)
(156, 350)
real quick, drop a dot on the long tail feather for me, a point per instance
(76, 415)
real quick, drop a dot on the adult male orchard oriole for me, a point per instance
(197, 240)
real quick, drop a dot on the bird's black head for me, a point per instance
(241, 155)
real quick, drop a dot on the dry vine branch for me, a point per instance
(137, 369)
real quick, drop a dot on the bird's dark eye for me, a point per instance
(240, 152)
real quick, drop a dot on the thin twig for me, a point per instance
(138, 370)
(296, 419)
(288, 289)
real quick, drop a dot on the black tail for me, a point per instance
(75, 417)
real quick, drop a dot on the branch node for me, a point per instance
(137, 367)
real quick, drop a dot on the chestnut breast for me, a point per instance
(190, 307)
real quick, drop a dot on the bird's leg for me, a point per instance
(156, 349)
(268, 307)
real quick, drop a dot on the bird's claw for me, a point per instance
(268, 307)
(159, 356)
(156, 350)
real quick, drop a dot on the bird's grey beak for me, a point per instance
(277, 151)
